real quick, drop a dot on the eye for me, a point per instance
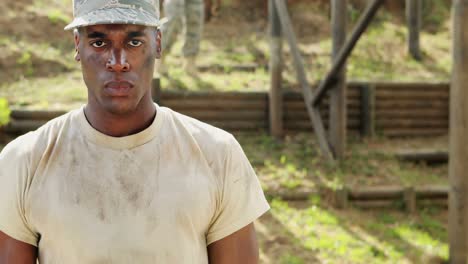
(98, 44)
(135, 43)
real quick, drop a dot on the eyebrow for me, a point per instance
(134, 34)
(131, 34)
(96, 34)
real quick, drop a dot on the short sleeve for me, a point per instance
(13, 186)
(242, 199)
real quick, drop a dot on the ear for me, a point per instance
(158, 44)
(77, 44)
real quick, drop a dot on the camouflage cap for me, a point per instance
(95, 12)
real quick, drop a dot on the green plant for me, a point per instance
(26, 61)
(290, 259)
(4, 111)
(56, 16)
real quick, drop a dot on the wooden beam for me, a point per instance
(414, 20)
(428, 157)
(276, 69)
(342, 197)
(362, 25)
(409, 196)
(376, 193)
(319, 129)
(36, 114)
(288, 31)
(432, 192)
(199, 95)
(337, 130)
(156, 90)
(368, 111)
(458, 167)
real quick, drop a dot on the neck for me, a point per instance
(120, 125)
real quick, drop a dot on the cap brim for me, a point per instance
(115, 15)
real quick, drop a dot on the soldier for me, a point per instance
(121, 179)
(189, 15)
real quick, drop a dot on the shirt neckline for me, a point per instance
(120, 143)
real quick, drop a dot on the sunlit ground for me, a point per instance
(308, 232)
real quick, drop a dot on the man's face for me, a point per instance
(117, 63)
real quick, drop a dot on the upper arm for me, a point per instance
(239, 247)
(14, 186)
(241, 199)
(13, 251)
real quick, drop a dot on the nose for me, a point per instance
(118, 61)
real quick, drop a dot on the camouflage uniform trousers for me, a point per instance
(186, 14)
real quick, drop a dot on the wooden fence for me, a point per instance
(389, 109)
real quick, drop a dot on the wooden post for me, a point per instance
(361, 26)
(342, 198)
(313, 112)
(458, 167)
(337, 131)
(276, 64)
(368, 111)
(156, 90)
(410, 199)
(414, 18)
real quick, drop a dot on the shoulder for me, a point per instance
(190, 138)
(204, 134)
(33, 143)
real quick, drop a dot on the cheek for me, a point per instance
(92, 65)
(147, 58)
(149, 62)
(95, 60)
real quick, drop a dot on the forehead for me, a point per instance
(124, 29)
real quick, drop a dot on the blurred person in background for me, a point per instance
(187, 16)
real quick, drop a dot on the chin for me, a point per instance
(120, 108)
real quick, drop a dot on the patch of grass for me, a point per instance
(435, 14)
(285, 173)
(431, 225)
(28, 51)
(359, 236)
(291, 259)
(296, 163)
(56, 10)
(4, 111)
(56, 16)
(26, 60)
(65, 91)
(209, 81)
(320, 231)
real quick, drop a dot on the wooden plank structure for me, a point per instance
(386, 196)
(422, 110)
(340, 59)
(425, 156)
(414, 109)
(409, 198)
(458, 167)
(313, 112)
(368, 111)
(336, 76)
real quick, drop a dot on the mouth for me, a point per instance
(118, 88)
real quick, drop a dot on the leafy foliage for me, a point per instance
(4, 111)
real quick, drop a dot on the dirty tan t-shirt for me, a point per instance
(159, 196)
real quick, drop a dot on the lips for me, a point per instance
(118, 88)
